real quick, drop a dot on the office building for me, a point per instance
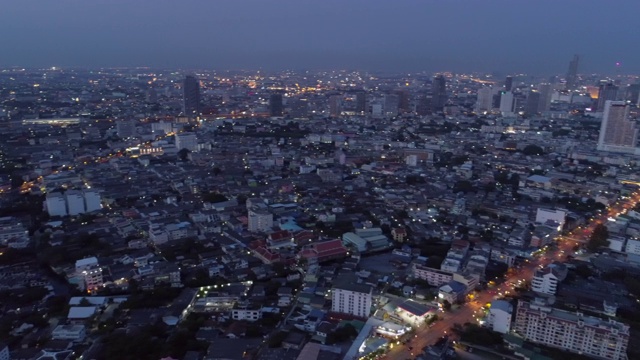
(632, 95)
(572, 73)
(507, 103)
(191, 97)
(571, 331)
(75, 202)
(533, 103)
(391, 104)
(546, 91)
(56, 204)
(299, 109)
(361, 102)
(508, 83)
(335, 105)
(187, 140)
(350, 297)
(126, 129)
(92, 200)
(403, 100)
(484, 100)
(276, 108)
(616, 130)
(499, 317)
(606, 92)
(439, 93)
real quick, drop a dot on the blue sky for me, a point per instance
(537, 37)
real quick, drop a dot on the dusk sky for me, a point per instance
(537, 37)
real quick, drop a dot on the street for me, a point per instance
(427, 336)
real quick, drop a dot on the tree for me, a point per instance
(183, 154)
(462, 185)
(533, 150)
(216, 171)
(599, 238)
(446, 305)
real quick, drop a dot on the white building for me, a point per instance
(260, 218)
(499, 317)
(556, 215)
(91, 272)
(633, 247)
(616, 130)
(75, 202)
(56, 204)
(507, 103)
(12, 231)
(246, 314)
(187, 140)
(546, 280)
(352, 298)
(69, 332)
(92, 201)
(574, 332)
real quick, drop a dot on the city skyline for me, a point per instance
(373, 35)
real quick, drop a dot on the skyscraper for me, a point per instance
(633, 94)
(507, 102)
(439, 92)
(191, 96)
(616, 129)
(485, 99)
(606, 92)
(572, 73)
(275, 104)
(403, 100)
(546, 91)
(533, 102)
(361, 102)
(508, 83)
(335, 105)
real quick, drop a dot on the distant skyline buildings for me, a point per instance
(616, 130)
(191, 96)
(572, 73)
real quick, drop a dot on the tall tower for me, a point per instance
(507, 102)
(508, 83)
(361, 102)
(606, 92)
(335, 105)
(616, 128)
(439, 91)
(533, 103)
(546, 92)
(191, 96)
(485, 99)
(275, 104)
(572, 73)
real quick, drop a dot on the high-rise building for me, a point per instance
(335, 105)
(572, 73)
(606, 92)
(92, 201)
(349, 297)
(126, 129)
(276, 108)
(546, 92)
(191, 96)
(56, 204)
(391, 104)
(403, 100)
(439, 93)
(633, 94)
(75, 202)
(499, 317)
(485, 99)
(507, 102)
(508, 83)
(617, 130)
(299, 108)
(533, 103)
(572, 331)
(361, 102)
(187, 140)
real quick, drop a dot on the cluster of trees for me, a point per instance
(476, 334)
(599, 238)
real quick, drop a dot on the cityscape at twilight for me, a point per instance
(261, 196)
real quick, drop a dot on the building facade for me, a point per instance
(352, 298)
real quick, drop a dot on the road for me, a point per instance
(467, 313)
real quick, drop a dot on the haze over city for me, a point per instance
(533, 37)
